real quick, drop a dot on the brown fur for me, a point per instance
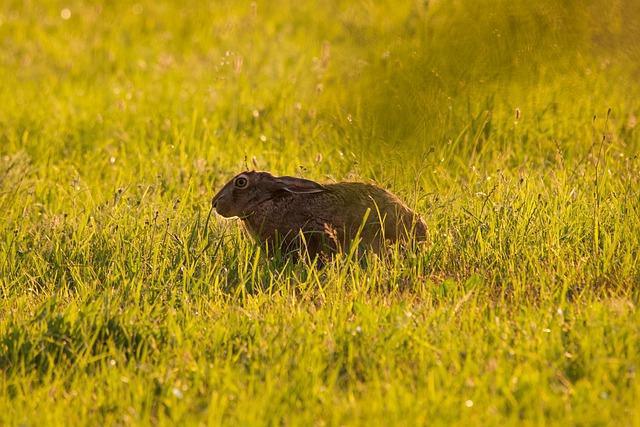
(287, 213)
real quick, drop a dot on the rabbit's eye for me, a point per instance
(241, 182)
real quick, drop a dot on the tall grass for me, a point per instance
(510, 126)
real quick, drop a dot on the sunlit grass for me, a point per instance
(512, 127)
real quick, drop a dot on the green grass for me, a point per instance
(512, 126)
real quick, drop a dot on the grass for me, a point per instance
(511, 127)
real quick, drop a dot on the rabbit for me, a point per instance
(291, 214)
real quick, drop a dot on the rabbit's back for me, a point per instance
(387, 217)
(331, 219)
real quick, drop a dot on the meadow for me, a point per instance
(511, 126)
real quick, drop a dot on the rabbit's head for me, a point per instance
(246, 191)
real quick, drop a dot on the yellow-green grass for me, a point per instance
(511, 126)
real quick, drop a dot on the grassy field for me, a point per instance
(512, 126)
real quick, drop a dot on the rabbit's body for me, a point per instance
(289, 214)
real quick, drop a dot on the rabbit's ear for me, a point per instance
(298, 185)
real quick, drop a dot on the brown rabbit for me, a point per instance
(289, 214)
